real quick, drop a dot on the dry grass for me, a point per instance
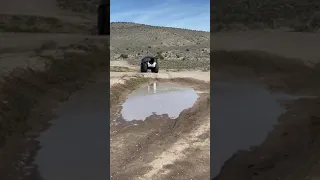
(185, 64)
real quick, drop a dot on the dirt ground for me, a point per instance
(58, 58)
(46, 54)
(291, 150)
(160, 147)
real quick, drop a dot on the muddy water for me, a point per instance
(243, 114)
(158, 98)
(75, 146)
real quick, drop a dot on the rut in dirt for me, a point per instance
(244, 113)
(156, 123)
(75, 145)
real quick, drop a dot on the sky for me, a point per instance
(188, 14)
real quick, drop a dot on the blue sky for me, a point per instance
(189, 14)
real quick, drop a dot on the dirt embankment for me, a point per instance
(291, 150)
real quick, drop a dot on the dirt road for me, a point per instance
(120, 77)
(152, 146)
(161, 147)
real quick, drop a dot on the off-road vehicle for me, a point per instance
(149, 62)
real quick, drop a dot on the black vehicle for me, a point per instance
(103, 18)
(149, 62)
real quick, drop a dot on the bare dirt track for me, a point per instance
(288, 64)
(160, 147)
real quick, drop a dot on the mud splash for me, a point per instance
(158, 98)
(75, 146)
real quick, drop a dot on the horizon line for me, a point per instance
(160, 26)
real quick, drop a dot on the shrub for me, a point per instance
(124, 56)
(159, 55)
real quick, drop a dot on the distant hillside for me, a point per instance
(177, 48)
(124, 34)
(254, 14)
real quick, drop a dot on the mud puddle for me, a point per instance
(158, 98)
(170, 135)
(72, 147)
(243, 115)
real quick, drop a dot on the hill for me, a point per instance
(177, 48)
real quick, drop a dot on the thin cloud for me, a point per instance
(171, 13)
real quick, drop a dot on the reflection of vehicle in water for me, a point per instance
(149, 62)
(154, 86)
(103, 18)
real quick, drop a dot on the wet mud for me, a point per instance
(244, 113)
(28, 97)
(163, 145)
(75, 146)
(274, 127)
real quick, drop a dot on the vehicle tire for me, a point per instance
(144, 67)
(155, 69)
